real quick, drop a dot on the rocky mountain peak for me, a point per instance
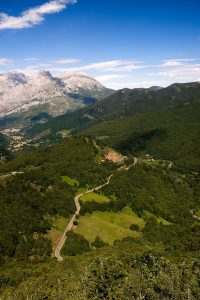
(46, 93)
(44, 74)
(13, 78)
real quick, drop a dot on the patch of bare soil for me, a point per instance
(115, 157)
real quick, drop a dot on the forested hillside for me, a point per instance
(4, 145)
(148, 210)
(99, 150)
(36, 191)
(172, 135)
(121, 104)
(75, 158)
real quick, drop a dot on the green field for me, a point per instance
(109, 226)
(99, 198)
(70, 181)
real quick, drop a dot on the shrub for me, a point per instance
(98, 243)
(75, 222)
(75, 244)
(134, 227)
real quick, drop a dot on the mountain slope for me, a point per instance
(124, 103)
(85, 85)
(21, 94)
(171, 134)
(4, 145)
(33, 200)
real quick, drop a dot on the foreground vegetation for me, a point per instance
(108, 273)
(32, 198)
(137, 238)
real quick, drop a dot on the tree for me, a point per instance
(75, 244)
(98, 243)
(134, 227)
(104, 279)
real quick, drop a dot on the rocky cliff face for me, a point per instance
(45, 93)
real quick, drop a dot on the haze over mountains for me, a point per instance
(20, 93)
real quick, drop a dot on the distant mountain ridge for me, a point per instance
(43, 92)
(124, 103)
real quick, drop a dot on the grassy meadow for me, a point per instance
(99, 198)
(70, 181)
(109, 226)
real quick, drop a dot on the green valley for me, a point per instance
(139, 213)
(99, 150)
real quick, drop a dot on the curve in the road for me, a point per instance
(70, 225)
(61, 243)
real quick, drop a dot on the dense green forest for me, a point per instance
(162, 123)
(27, 202)
(163, 194)
(172, 135)
(157, 200)
(77, 158)
(121, 104)
(36, 192)
(4, 145)
(160, 264)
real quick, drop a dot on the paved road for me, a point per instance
(78, 208)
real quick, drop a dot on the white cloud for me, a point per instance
(43, 66)
(60, 66)
(176, 62)
(112, 65)
(133, 84)
(110, 73)
(127, 68)
(66, 61)
(29, 70)
(31, 59)
(5, 61)
(33, 16)
(182, 70)
(104, 78)
(172, 63)
(181, 59)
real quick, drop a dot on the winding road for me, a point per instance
(70, 225)
(61, 243)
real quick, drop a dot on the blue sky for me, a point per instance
(122, 43)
